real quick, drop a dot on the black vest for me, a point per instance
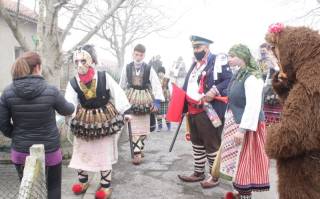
(146, 76)
(103, 95)
(237, 99)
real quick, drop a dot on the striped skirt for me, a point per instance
(247, 165)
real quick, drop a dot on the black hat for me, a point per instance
(161, 69)
(196, 40)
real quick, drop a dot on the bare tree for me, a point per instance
(135, 20)
(50, 37)
(311, 17)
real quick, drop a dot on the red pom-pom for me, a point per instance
(276, 28)
(101, 194)
(77, 188)
(229, 195)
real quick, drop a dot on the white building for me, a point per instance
(9, 47)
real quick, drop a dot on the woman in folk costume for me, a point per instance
(243, 158)
(167, 89)
(98, 118)
(144, 92)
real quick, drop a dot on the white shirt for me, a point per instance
(193, 85)
(253, 91)
(154, 80)
(117, 95)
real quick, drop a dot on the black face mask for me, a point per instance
(199, 55)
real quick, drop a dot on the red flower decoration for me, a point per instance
(276, 28)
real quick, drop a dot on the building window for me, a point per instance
(18, 51)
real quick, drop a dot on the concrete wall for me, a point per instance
(7, 48)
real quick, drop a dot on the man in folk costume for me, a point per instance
(207, 78)
(98, 118)
(167, 89)
(144, 92)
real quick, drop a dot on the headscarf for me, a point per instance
(243, 52)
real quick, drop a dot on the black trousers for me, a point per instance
(53, 178)
(203, 133)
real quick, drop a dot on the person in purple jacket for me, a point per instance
(27, 115)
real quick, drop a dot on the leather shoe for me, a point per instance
(195, 177)
(210, 183)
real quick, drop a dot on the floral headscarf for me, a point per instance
(243, 52)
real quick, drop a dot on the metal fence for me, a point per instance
(9, 182)
(33, 184)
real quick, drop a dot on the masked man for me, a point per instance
(98, 118)
(144, 92)
(207, 78)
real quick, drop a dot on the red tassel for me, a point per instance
(188, 137)
(221, 99)
(201, 83)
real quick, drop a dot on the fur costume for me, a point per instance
(295, 141)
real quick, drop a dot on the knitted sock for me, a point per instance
(199, 155)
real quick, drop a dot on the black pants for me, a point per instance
(203, 133)
(53, 178)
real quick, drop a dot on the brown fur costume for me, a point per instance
(295, 141)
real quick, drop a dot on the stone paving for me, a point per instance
(156, 178)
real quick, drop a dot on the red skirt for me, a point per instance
(253, 167)
(247, 165)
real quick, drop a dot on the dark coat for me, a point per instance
(221, 83)
(27, 113)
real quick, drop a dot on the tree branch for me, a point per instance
(308, 13)
(40, 25)
(110, 51)
(87, 37)
(17, 14)
(54, 16)
(14, 29)
(73, 19)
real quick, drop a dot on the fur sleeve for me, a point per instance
(281, 87)
(295, 134)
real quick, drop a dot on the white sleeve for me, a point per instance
(253, 91)
(156, 86)
(72, 96)
(123, 78)
(117, 95)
